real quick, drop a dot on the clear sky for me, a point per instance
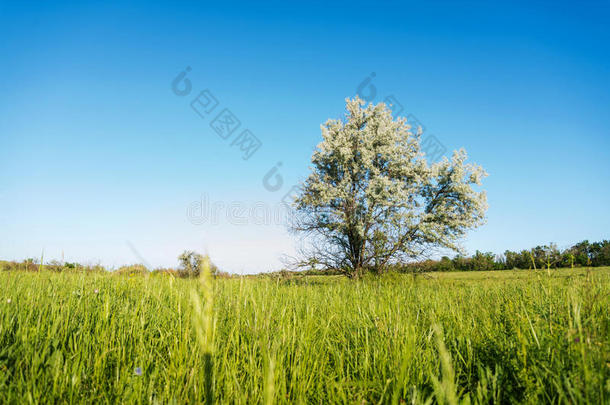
(101, 161)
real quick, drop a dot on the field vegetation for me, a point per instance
(520, 336)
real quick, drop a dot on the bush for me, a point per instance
(133, 270)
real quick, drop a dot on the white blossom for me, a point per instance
(373, 199)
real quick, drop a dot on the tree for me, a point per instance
(582, 253)
(483, 261)
(373, 199)
(445, 264)
(552, 255)
(601, 253)
(191, 264)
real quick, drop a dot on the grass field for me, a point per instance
(487, 337)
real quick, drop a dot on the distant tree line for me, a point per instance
(191, 264)
(582, 254)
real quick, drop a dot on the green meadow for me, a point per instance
(479, 337)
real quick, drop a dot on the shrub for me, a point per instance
(133, 270)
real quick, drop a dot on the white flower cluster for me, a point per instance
(372, 198)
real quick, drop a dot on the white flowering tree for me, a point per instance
(372, 199)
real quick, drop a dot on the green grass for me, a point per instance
(487, 337)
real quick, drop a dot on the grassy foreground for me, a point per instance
(487, 337)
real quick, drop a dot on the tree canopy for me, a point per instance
(372, 198)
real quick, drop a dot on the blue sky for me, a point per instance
(97, 153)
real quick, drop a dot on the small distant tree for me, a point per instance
(372, 198)
(582, 253)
(552, 256)
(566, 259)
(602, 257)
(445, 264)
(483, 261)
(191, 264)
